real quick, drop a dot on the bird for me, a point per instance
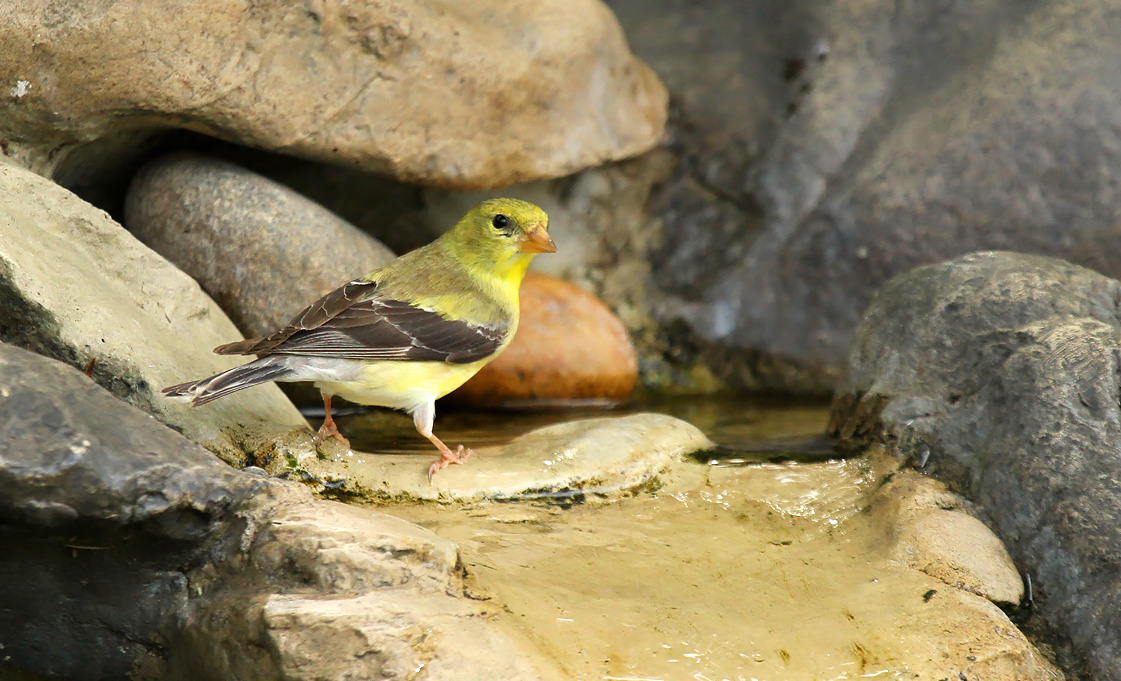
(407, 333)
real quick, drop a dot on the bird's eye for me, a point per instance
(500, 221)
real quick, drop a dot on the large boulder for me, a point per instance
(131, 552)
(76, 286)
(471, 95)
(874, 139)
(817, 149)
(999, 373)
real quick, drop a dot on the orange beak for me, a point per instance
(537, 240)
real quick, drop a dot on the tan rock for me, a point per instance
(467, 95)
(393, 636)
(76, 286)
(569, 348)
(261, 250)
(931, 531)
(971, 638)
(592, 457)
(328, 591)
(962, 551)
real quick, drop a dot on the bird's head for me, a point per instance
(503, 234)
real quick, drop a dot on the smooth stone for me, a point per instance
(76, 286)
(827, 147)
(261, 250)
(480, 95)
(999, 374)
(569, 349)
(963, 552)
(132, 552)
(589, 458)
(932, 531)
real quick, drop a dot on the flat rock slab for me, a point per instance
(590, 457)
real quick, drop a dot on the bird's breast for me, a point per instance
(402, 385)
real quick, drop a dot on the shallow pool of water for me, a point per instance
(733, 571)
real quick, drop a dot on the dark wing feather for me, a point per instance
(353, 323)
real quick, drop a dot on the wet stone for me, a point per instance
(998, 374)
(770, 571)
(591, 457)
(932, 530)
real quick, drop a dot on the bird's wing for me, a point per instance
(354, 322)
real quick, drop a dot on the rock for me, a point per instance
(998, 373)
(75, 286)
(261, 251)
(817, 149)
(961, 551)
(589, 458)
(996, 650)
(931, 532)
(130, 551)
(485, 95)
(569, 349)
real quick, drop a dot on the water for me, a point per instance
(765, 428)
(764, 564)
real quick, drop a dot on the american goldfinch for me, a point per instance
(408, 333)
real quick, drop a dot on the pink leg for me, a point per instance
(447, 456)
(329, 429)
(423, 416)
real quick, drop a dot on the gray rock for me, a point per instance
(131, 552)
(104, 511)
(76, 286)
(262, 251)
(999, 373)
(818, 149)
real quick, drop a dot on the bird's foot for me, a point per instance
(330, 430)
(448, 457)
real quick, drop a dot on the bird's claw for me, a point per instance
(331, 431)
(460, 455)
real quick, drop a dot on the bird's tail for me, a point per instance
(245, 376)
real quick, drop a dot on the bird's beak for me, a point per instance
(537, 240)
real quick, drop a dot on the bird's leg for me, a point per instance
(423, 417)
(329, 429)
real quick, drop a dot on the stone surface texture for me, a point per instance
(569, 349)
(815, 150)
(934, 530)
(864, 139)
(464, 95)
(260, 250)
(76, 286)
(998, 373)
(599, 458)
(131, 552)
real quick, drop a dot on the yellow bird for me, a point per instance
(408, 333)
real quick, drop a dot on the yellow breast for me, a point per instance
(402, 385)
